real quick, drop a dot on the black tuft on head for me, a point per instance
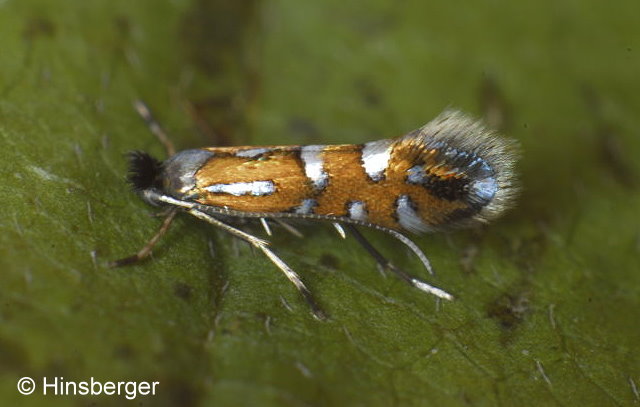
(144, 171)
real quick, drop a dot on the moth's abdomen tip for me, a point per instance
(465, 165)
(483, 190)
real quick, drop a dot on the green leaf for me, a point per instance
(547, 297)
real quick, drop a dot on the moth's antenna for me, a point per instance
(145, 169)
(154, 126)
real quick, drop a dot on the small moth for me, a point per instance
(451, 172)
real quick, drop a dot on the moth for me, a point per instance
(451, 172)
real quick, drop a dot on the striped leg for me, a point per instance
(146, 250)
(157, 130)
(386, 264)
(262, 245)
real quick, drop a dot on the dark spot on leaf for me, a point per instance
(509, 309)
(330, 261)
(182, 291)
(38, 27)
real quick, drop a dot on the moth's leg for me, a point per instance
(339, 229)
(265, 226)
(385, 263)
(382, 261)
(156, 129)
(412, 246)
(262, 245)
(154, 126)
(146, 250)
(289, 228)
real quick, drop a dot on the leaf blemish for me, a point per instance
(509, 309)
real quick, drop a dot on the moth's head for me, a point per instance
(176, 176)
(145, 171)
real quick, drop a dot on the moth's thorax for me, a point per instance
(179, 172)
(449, 172)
